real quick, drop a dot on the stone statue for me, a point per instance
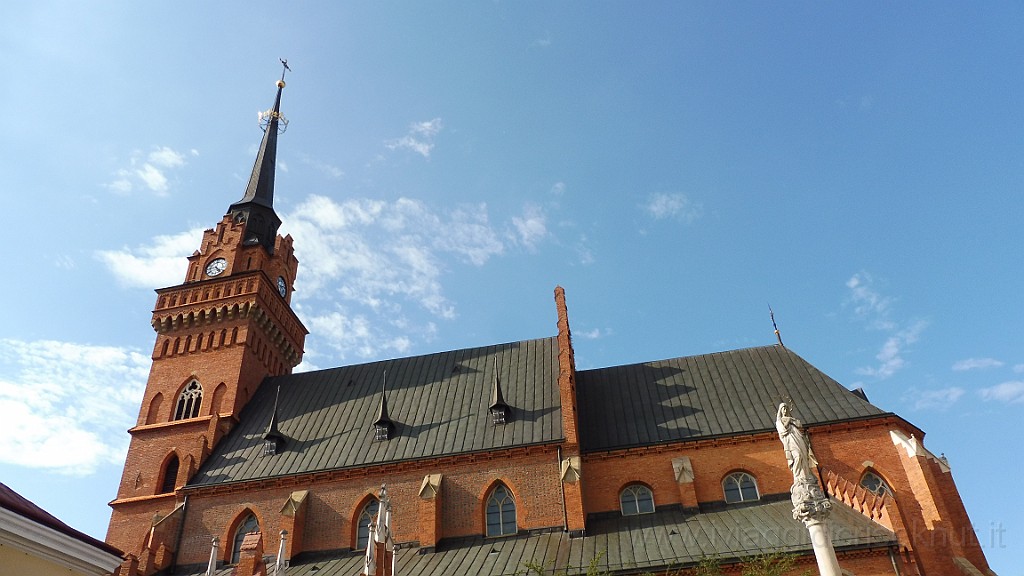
(810, 505)
(798, 451)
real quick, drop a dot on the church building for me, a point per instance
(493, 458)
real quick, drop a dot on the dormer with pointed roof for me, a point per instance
(383, 426)
(500, 411)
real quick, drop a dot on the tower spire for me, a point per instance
(256, 208)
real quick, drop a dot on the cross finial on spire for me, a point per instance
(284, 63)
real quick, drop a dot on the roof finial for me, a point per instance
(778, 335)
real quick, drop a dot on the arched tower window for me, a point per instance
(170, 475)
(740, 487)
(874, 483)
(366, 516)
(250, 524)
(636, 499)
(501, 512)
(189, 401)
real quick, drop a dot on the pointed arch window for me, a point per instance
(501, 512)
(189, 401)
(740, 487)
(874, 484)
(170, 475)
(366, 517)
(250, 524)
(636, 499)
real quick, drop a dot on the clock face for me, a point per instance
(216, 267)
(282, 286)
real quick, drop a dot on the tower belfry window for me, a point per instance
(189, 401)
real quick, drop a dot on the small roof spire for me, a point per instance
(273, 438)
(499, 410)
(256, 208)
(383, 425)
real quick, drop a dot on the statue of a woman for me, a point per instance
(798, 451)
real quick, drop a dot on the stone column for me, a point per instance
(812, 507)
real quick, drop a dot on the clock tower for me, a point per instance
(222, 331)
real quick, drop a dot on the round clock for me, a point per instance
(282, 286)
(216, 267)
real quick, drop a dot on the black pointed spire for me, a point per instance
(256, 208)
(273, 440)
(500, 411)
(383, 425)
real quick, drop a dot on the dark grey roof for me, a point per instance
(437, 402)
(705, 396)
(666, 538)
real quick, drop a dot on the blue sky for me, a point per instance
(675, 166)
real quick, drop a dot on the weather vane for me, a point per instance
(778, 335)
(274, 116)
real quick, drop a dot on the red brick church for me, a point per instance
(493, 457)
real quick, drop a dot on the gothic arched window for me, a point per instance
(636, 499)
(170, 475)
(250, 524)
(366, 516)
(189, 401)
(740, 487)
(501, 512)
(874, 483)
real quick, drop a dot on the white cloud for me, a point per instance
(419, 138)
(868, 302)
(875, 309)
(159, 264)
(68, 404)
(167, 158)
(1018, 368)
(676, 206)
(365, 264)
(937, 399)
(530, 228)
(976, 364)
(1011, 392)
(149, 170)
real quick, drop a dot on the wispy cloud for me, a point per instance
(530, 227)
(366, 262)
(663, 206)
(419, 138)
(69, 403)
(976, 364)
(940, 399)
(161, 263)
(1011, 392)
(875, 310)
(329, 170)
(149, 170)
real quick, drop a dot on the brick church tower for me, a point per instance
(219, 334)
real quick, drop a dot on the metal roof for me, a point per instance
(670, 538)
(437, 402)
(706, 396)
(439, 406)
